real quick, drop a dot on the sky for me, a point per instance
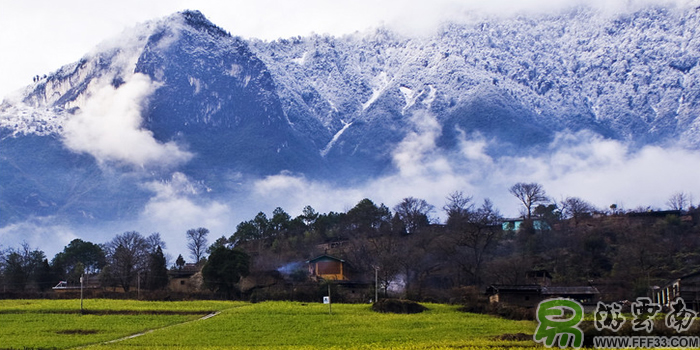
(39, 36)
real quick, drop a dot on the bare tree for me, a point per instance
(154, 241)
(127, 255)
(197, 242)
(382, 252)
(473, 234)
(576, 208)
(25, 268)
(678, 201)
(414, 213)
(458, 206)
(529, 194)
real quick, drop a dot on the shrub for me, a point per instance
(477, 303)
(398, 306)
(512, 312)
(514, 337)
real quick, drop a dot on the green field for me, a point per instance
(27, 324)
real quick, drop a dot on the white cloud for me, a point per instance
(643, 178)
(175, 203)
(43, 233)
(414, 155)
(422, 171)
(39, 36)
(583, 164)
(292, 192)
(108, 127)
(177, 206)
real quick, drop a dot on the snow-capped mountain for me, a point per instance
(181, 95)
(631, 76)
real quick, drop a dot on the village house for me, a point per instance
(532, 295)
(352, 287)
(514, 224)
(538, 289)
(181, 279)
(686, 287)
(328, 268)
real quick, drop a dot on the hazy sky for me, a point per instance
(39, 36)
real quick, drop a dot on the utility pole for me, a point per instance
(81, 293)
(376, 284)
(138, 285)
(329, 298)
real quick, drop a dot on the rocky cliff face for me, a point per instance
(180, 95)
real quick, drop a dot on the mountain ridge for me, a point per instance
(338, 108)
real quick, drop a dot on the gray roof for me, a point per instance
(324, 257)
(516, 287)
(580, 290)
(569, 290)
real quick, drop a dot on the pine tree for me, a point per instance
(180, 262)
(157, 270)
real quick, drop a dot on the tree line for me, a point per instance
(128, 260)
(623, 252)
(118, 263)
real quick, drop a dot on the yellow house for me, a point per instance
(328, 268)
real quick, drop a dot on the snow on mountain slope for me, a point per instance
(176, 95)
(187, 98)
(632, 76)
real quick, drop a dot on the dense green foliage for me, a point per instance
(157, 270)
(77, 258)
(224, 269)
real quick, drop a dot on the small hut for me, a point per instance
(328, 268)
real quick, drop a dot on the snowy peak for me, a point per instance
(628, 76)
(180, 95)
(116, 57)
(196, 20)
(45, 105)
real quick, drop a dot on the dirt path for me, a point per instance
(157, 329)
(151, 331)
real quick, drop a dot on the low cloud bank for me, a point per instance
(43, 233)
(109, 127)
(177, 207)
(581, 164)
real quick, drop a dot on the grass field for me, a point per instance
(27, 324)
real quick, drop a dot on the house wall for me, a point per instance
(687, 288)
(182, 285)
(330, 270)
(524, 299)
(354, 292)
(514, 225)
